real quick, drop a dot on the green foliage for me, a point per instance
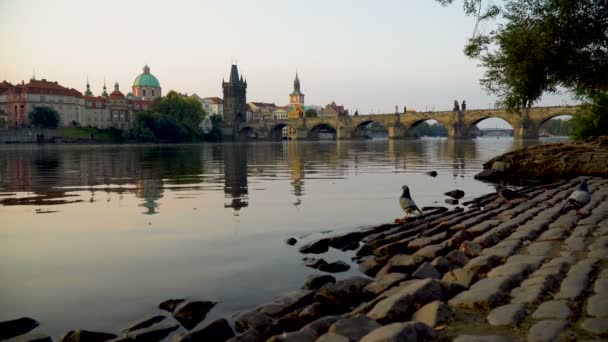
(540, 46)
(172, 118)
(216, 133)
(44, 117)
(591, 118)
(311, 113)
(558, 127)
(425, 129)
(3, 122)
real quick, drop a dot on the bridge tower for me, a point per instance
(235, 103)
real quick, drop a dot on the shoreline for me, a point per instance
(430, 269)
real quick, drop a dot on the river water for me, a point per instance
(93, 237)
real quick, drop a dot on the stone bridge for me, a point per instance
(402, 125)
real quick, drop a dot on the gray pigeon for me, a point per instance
(407, 203)
(578, 198)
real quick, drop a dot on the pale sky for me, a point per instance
(367, 55)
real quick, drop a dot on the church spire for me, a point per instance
(234, 74)
(88, 92)
(105, 91)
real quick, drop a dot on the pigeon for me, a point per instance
(407, 203)
(507, 194)
(578, 198)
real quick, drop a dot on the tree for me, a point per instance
(311, 113)
(541, 46)
(591, 118)
(44, 117)
(172, 118)
(216, 133)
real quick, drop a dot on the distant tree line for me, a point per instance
(173, 118)
(558, 127)
(425, 129)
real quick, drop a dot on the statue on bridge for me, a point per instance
(456, 107)
(464, 105)
(396, 109)
(404, 109)
(357, 112)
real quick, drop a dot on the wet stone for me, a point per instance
(546, 331)
(470, 249)
(510, 314)
(397, 332)
(313, 262)
(16, 327)
(486, 338)
(291, 241)
(152, 334)
(482, 263)
(576, 281)
(31, 337)
(480, 298)
(503, 249)
(434, 314)
(403, 263)
(541, 248)
(354, 328)
(86, 336)
(190, 314)
(315, 247)
(426, 270)
(529, 295)
(252, 320)
(460, 276)
(250, 335)
(441, 264)
(430, 252)
(335, 267)
(332, 337)
(597, 326)
(597, 305)
(401, 305)
(282, 305)
(350, 291)
(144, 323)
(457, 258)
(385, 283)
(315, 282)
(170, 304)
(556, 309)
(601, 286)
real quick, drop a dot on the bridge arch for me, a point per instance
(359, 131)
(471, 128)
(442, 130)
(555, 125)
(277, 132)
(315, 132)
(248, 133)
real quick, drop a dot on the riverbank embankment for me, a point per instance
(492, 270)
(550, 161)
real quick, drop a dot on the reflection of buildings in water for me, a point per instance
(296, 170)
(150, 190)
(235, 176)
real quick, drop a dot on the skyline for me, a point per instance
(394, 57)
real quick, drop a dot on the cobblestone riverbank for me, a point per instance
(520, 270)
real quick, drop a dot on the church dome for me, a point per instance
(146, 79)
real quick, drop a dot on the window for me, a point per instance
(152, 92)
(144, 92)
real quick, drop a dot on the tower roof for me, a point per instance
(234, 74)
(146, 79)
(296, 86)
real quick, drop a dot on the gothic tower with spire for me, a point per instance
(235, 101)
(296, 97)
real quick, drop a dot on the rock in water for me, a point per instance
(314, 262)
(144, 323)
(170, 304)
(192, 313)
(432, 173)
(86, 336)
(457, 194)
(335, 267)
(451, 201)
(16, 327)
(216, 331)
(315, 282)
(316, 247)
(153, 333)
(291, 241)
(30, 338)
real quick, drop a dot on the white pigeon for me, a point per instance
(407, 203)
(578, 198)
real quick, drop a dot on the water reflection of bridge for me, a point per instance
(58, 175)
(460, 124)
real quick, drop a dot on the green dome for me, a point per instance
(146, 79)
